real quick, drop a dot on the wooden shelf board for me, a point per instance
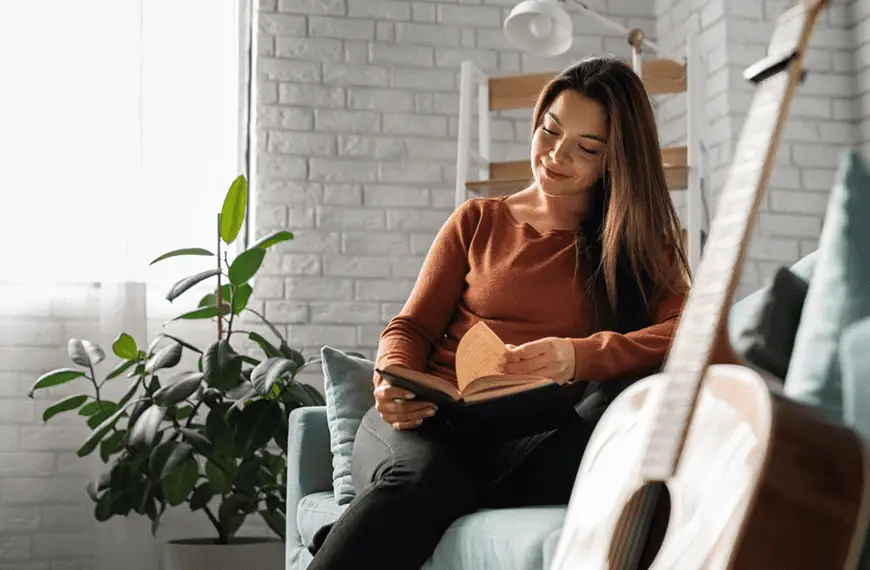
(520, 91)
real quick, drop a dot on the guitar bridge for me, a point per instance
(770, 66)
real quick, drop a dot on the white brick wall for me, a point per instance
(822, 118)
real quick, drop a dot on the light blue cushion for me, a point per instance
(499, 539)
(838, 294)
(855, 364)
(502, 539)
(314, 511)
(348, 391)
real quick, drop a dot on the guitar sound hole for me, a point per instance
(641, 528)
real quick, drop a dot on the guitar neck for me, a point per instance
(704, 314)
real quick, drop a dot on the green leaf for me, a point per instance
(201, 496)
(219, 433)
(182, 342)
(184, 284)
(84, 352)
(221, 366)
(166, 357)
(277, 237)
(276, 521)
(246, 265)
(56, 377)
(64, 405)
(233, 211)
(267, 373)
(100, 431)
(217, 478)
(179, 483)
(180, 413)
(125, 347)
(292, 354)
(179, 391)
(183, 251)
(240, 301)
(159, 456)
(255, 426)
(268, 348)
(179, 455)
(211, 299)
(112, 444)
(199, 441)
(122, 367)
(145, 429)
(205, 313)
(92, 408)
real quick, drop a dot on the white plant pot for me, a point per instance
(204, 554)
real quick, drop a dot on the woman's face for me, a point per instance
(568, 145)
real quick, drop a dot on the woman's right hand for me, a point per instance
(398, 407)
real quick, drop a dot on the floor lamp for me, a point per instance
(544, 28)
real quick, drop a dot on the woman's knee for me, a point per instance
(406, 458)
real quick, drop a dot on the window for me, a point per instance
(119, 133)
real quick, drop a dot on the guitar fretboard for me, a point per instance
(719, 270)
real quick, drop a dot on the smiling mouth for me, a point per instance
(554, 175)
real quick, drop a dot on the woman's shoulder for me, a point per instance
(474, 211)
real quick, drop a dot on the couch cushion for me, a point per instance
(497, 539)
(838, 295)
(348, 390)
(745, 310)
(314, 511)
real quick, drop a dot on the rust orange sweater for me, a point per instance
(485, 265)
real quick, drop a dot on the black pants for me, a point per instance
(411, 485)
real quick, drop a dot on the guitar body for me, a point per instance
(762, 482)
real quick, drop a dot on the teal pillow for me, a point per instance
(838, 294)
(348, 391)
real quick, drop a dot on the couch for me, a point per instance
(821, 349)
(507, 539)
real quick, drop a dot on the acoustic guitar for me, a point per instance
(707, 466)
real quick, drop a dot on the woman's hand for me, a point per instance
(549, 357)
(398, 409)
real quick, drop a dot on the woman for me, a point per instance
(582, 273)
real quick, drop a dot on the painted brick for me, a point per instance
(335, 7)
(341, 313)
(309, 48)
(286, 312)
(282, 24)
(318, 288)
(350, 218)
(347, 121)
(341, 74)
(332, 27)
(383, 289)
(342, 195)
(310, 95)
(387, 195)
(371, 146)
(380, 99)
(414, 124)
(374, 243)
(409, 55)
(336, 170)
(300, 264)
(379, 9)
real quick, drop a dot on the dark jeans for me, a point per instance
(411, 485)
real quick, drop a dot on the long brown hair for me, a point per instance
(631, 242)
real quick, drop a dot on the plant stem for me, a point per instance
(218, 295)
(214, 521)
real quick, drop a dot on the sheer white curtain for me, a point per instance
(120, 132)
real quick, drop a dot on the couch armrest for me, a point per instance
(309, 461)
(854, 354)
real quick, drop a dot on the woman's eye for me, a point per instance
(548, 131)
(587, 150)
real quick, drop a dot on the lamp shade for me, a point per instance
(540, 27)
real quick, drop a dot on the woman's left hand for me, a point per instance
(549, 357)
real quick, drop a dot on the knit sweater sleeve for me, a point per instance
(409, 337)
(607, 355)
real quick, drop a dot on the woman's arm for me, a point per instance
(409, 337)
(606, 355)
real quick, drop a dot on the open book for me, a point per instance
(477, 374)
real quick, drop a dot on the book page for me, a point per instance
(423, 379)
(478, 354)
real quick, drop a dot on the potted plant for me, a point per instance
(213, 437)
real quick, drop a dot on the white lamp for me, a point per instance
(544, 28)
(541, 27)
